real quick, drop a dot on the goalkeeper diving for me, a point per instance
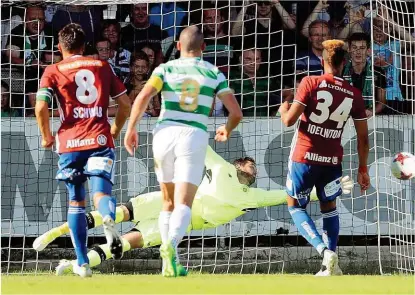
(223, 195)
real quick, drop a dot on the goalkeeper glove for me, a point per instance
(347, 184)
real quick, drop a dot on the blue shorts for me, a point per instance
(96, 164)
(303, 177)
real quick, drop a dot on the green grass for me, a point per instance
(207, 284)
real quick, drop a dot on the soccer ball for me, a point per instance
(403, 166)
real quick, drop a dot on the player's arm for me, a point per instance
(118, 93)
(212, 158)
(44, 97)
(121, 115)
(291, 113)
(42, 117)
(265, 198)
(235, 112)
(360, 124)
(150, 89)
(225, 94)
(142, 100)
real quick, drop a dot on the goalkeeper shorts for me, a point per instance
(179, 153)
(303, 177)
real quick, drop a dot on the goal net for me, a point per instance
(260, 46)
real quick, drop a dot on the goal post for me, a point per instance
(377, 228)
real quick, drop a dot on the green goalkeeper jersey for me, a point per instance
(219, 199)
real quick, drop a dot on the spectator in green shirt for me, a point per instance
(6, 110)
(358, 72)
(254, 90)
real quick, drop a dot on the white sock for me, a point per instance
(164, 221)
(179, 222)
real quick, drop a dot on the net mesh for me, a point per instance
(377, 228)
(393, 39)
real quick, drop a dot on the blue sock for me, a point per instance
(106, 206)
(307, 228)
(79, 232)
(331, 228)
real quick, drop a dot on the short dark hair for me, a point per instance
(359, 37)
(72, 37)
(102, 39)
(242, 161)
(110, 22)
(139, 55)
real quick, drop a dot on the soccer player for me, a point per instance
(324, 104)
(219, 199)
(188, 87)
(85, 140)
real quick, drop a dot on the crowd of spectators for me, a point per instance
(263, 47)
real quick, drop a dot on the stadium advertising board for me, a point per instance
(33, 202)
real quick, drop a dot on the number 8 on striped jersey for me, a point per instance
(189, 98)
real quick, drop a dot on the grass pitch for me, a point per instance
(207, 284)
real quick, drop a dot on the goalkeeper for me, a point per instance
(223, 195)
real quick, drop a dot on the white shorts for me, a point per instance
(179, 153)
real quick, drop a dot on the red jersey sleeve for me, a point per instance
(358, 109)
(303, 92)
(47, 80)
(117, 87)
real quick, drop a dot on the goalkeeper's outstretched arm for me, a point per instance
(213, 159)
(258, 198)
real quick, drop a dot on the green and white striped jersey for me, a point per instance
(188, 87)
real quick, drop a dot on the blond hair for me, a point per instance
(334, 52)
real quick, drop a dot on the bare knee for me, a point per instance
(77, 203)
(135, 239)
(326, 206)
(185, 193)
(291, 202)
(126, 213)
(97, 197)
(167, 191)
(168, 205)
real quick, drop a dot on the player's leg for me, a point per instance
(71, 172)
(100, 253)
(163, 151)
(93, 219)
(167, 191)
(328, 187)
(300, 181)
(100, 169)
(190, 153)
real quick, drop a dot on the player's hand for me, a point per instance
(114, 132)
(222, 134)
(369, 113)
(364, 181)
(347, 184)
(131, 141)
(285, 106)
(48, 141)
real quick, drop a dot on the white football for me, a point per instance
(403, 166)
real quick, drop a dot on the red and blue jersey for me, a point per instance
(83, 87)
(329, 101)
